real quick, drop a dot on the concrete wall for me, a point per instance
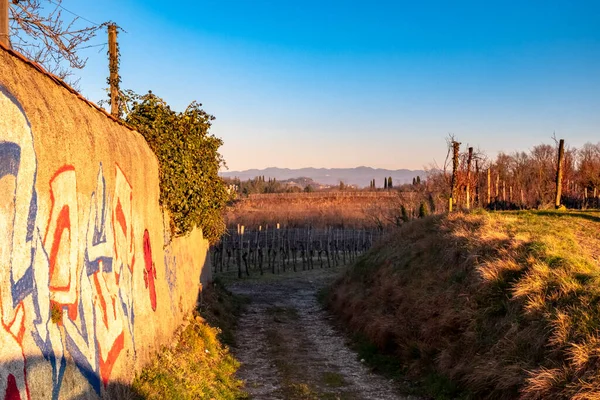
(90, 282)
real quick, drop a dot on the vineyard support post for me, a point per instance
(489, 187)
(477, 200)
(454, 183)
(468, 194)
(238, 252)
(559, 172)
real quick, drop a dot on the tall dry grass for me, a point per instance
(327, 209)
(506, 304)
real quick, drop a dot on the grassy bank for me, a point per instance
(501, 305)
(199, 365)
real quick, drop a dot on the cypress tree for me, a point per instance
(404, 213)
(389, 183)
(385, 183)
(422, 211)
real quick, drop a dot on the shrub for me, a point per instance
(189, 161)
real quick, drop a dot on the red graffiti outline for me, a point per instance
(149, 270)
(107, 365)
(122, 220)
(63, 222)
(12, 391)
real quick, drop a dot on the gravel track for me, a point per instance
(290, 350)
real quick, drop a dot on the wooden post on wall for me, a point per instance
(4, 24)
(113, 66)
(559, 172)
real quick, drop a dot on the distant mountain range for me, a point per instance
(360, 176)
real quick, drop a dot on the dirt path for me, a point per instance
(289, 350)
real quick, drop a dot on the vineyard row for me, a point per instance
(277, 250)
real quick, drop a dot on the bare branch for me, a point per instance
(40, 31)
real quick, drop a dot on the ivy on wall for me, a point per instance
(190, 187)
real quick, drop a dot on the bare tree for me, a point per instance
(40, 31)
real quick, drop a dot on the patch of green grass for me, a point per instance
(333, 379)
(385, 364)
(199, 365)
(299, 391)
(443, 388)
(323, 295)
(230, 277)
(390, 366)
(221, 309)
(281, 314)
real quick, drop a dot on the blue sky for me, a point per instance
(375, 83)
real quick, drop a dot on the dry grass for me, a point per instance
(199, 365)
(505, 304)
(319, 211)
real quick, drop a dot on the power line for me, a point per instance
(93, 45)
(75, 14)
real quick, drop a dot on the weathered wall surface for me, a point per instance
(90, 283)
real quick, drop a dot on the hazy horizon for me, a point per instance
(307, 167)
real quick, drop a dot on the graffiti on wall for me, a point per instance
(65, 289)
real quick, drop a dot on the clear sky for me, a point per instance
(348, 83)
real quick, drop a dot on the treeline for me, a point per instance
(260, 185)
(510, 181)
(521, 180)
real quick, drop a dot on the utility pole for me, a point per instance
(114, 70)
(4, 24)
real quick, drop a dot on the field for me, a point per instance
(318, 209)
(501, 305)
(275, 232)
